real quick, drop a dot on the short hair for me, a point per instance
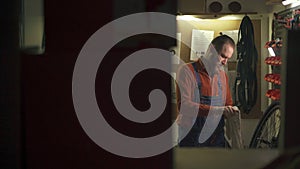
(219, 41)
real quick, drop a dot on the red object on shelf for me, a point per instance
(267, 45)
(273, 60)
(277, 79)
(277, 43)
(274, 94)
(268, 77)
(274, 78)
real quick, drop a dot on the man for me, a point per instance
(203, 86)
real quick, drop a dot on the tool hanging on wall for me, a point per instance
(245, 89)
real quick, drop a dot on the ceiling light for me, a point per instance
(188, 18)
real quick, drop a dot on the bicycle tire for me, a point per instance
(258, 139)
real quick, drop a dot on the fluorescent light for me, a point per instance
(231, 17)
(287, 2)
(271, 51)
(188, 18)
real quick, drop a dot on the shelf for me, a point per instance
(274, 94)
(273, 78)
(273, 60)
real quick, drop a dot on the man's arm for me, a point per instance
(185, 92)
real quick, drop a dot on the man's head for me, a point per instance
(224, 45)
(218, 53)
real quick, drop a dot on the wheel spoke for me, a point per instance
(267, 131)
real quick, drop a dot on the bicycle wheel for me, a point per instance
(267, 131)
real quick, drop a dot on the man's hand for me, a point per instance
(230, 111)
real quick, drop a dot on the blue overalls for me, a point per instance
(217, 139)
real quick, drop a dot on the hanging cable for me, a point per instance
(245, 89)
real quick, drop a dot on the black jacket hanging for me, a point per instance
(245, 89)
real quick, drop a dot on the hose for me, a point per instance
(245, 89)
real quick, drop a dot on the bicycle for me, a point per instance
(266, 133)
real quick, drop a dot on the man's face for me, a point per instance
(215, 61)
(225, 54)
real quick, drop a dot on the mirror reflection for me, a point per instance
(220, 98)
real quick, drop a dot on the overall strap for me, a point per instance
(196, 74)
(208, 100)
(197, 90)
